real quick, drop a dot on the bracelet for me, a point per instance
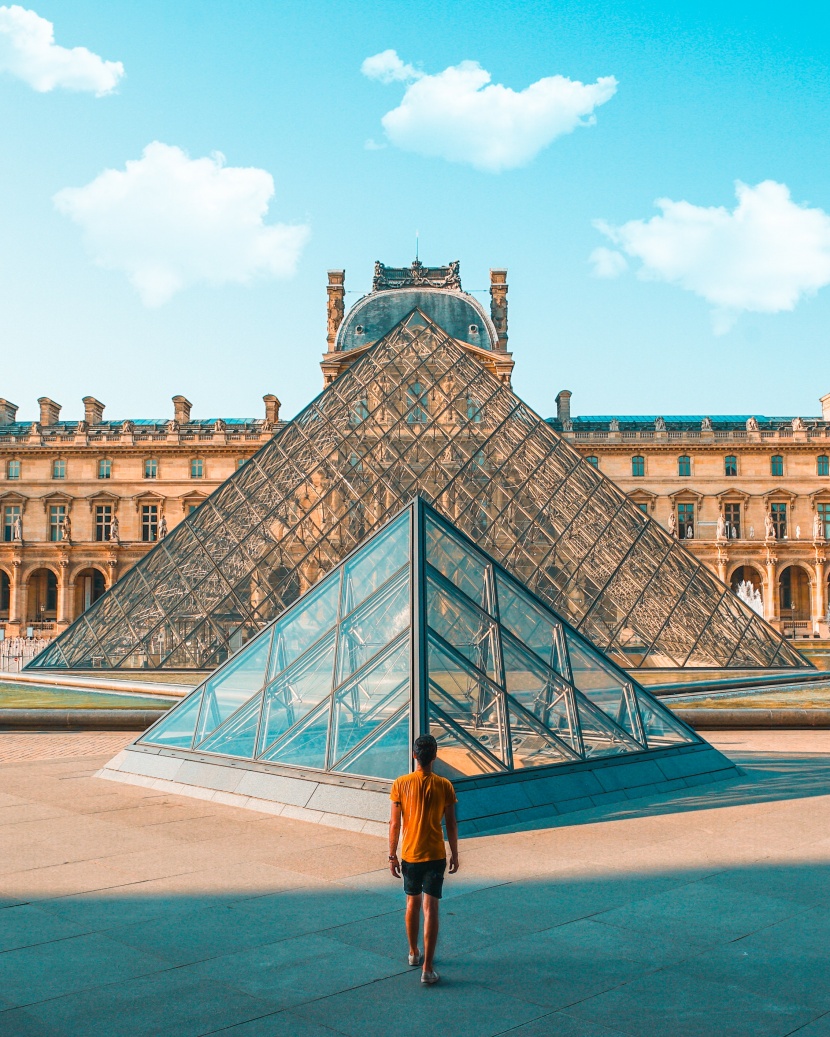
(393, 856)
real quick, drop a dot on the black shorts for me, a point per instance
(424, 877)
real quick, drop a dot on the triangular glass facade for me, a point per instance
(418, 630)
(418, 414)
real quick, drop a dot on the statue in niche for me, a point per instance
(721, 532)
(752, 532)
(690, 532)
(673, 524)
(750, 595)
(798, 532)
(769, 527)
(818, 532)
(752, 424)
(17, 529)
(734, 534)
(660, 425)
(162, 527)
(798, 425)
(114, 531)
(66, 528)
(706, 425)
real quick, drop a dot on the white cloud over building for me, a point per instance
(461, 116)
(29, 52)
(763, 256)
(169, 221)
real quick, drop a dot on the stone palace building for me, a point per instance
(82, 500)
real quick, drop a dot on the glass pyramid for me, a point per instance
(418, 630)
(418, 414)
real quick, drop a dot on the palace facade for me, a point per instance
(81, 501)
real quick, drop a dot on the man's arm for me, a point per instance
(452, 836)
(394, 835)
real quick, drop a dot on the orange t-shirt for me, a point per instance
(423, 799)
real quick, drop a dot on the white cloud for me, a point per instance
(763, 256)
(28, 51)
(169, 221)
(459, 115)
(607, 262)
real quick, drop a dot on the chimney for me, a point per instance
(336, 305)
(563, 406)
(8, 412)
(824, 401)
(272, 409)
(50, 412)
(93, 411)
(498, 305)
(182, 407)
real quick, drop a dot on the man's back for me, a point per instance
(423, 799)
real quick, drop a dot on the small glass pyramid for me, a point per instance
(418, 630)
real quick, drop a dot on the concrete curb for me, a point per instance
(736, 719)
(79, 719)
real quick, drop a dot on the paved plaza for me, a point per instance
(128, 911)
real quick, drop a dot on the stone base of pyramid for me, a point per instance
(484, 803)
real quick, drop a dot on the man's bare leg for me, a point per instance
(430, 930)
(413, 922)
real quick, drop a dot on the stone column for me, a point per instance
(819, 600)
(64, 613)
(17, 604)
(722, 562)
(771, 589)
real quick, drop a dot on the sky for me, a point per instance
(176, 179)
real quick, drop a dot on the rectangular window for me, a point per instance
(105, 468)
(59, 469)
(191, 508)
(57, 513)
(823, 465)
(593, 461)
(11, 513)
(732, 517)
(779, 520)
(12, 469)
(149, 522)
(686, 521)
(643, 506)
(151, 468)
(241, 462)
(638, 466)
(197, 468)
(684, 465)
(103, 522)
(776, 465)
(730, 465)
(824, 518)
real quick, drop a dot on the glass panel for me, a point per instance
(601, 737)
(366, 703)
(456, 757)
(373, 565)
(532, 745)
(457, 563)
(385, 755)
(367, 631)
(234, 684)
(297, 691)
(237, 736)
(304, 625)
(535, 628)
(306, 745)
(600, 685)
(467, 630)
(539, 692)
(178, 726)
(660, 726)
(473, 703)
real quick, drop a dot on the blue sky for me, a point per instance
(705, 97)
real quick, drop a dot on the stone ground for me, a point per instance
(126, 912)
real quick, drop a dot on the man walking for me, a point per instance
(422, 800)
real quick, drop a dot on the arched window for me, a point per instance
(104, 468)
(12, 469)
(823, 465)
(151, 468)
(776, 465)
(638, 466)
(730, 465)
(473, 409)
(418, 404)
(593, 460)
(684, 465)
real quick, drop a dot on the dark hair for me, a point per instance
(425, 749)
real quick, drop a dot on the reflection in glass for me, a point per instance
(373, 626)
(230, 687)
(465, 628)
(297, 691)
